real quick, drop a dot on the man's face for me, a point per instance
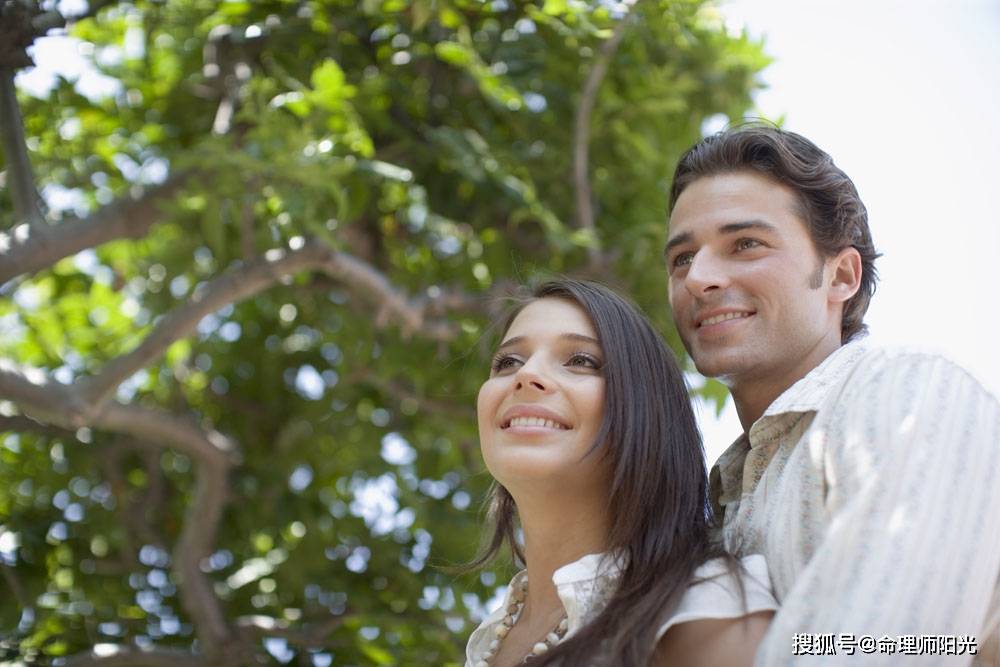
(748, 290)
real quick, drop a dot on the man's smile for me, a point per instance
(722, 317)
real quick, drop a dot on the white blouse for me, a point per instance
(584, 587)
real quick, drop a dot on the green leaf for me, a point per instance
(422, 11)
(454, 53)
(378, 655)
(555, 7)
(331, 89)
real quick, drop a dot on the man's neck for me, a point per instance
(754, 394)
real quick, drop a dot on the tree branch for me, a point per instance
(581, 131)
(194, 545)
(129, 217)
(19, 424)
(150, 427)
(20, 179)
(64, 407)
(232, 286)
(248, 280)
(365, 278)
(314, 635)
(48, 402)
(214, 453)
(20, 24)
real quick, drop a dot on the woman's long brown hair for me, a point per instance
(659, 490)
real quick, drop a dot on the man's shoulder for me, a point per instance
(894, 373)
(861, 371)
(875, 361)
(900, 404)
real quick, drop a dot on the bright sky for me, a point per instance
(905, 95)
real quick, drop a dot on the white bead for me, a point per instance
(514, 609)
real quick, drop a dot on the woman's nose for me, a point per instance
(531, 375)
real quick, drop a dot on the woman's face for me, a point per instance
(541, 408)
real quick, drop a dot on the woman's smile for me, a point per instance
(531, 418)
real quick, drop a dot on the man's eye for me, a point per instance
(585, 360)
(746, 244)
(503, 362)
(682, 259)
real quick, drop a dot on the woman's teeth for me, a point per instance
(536, 421)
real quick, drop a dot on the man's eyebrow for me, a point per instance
(734, 227)
(729, 228)
(681, 238)
(516, 340)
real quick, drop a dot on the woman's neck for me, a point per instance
(557, 532)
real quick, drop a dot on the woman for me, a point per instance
(586, 426)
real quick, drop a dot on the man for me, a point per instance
(869, 478)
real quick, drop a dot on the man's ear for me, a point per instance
(845, 275)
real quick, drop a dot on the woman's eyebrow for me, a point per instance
(516, 340)
(581, 338)
(511, 342)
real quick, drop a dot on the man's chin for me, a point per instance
(721, 367)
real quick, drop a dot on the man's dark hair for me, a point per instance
(829, 203)
(658, 499)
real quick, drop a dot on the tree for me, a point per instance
(246, 293)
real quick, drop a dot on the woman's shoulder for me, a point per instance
(720, 590)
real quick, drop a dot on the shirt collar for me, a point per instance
(586, 568)
(726, 477)
(806, 395)
(600, 567)
(591, 566)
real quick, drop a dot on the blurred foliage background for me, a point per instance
(246, 293)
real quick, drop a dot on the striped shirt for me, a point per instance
(872, 488)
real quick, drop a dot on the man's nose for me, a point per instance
(705, 274)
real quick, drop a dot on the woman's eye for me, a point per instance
(746, 244)
(584, 360)
(503, 362)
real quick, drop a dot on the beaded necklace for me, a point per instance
(514, 609)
